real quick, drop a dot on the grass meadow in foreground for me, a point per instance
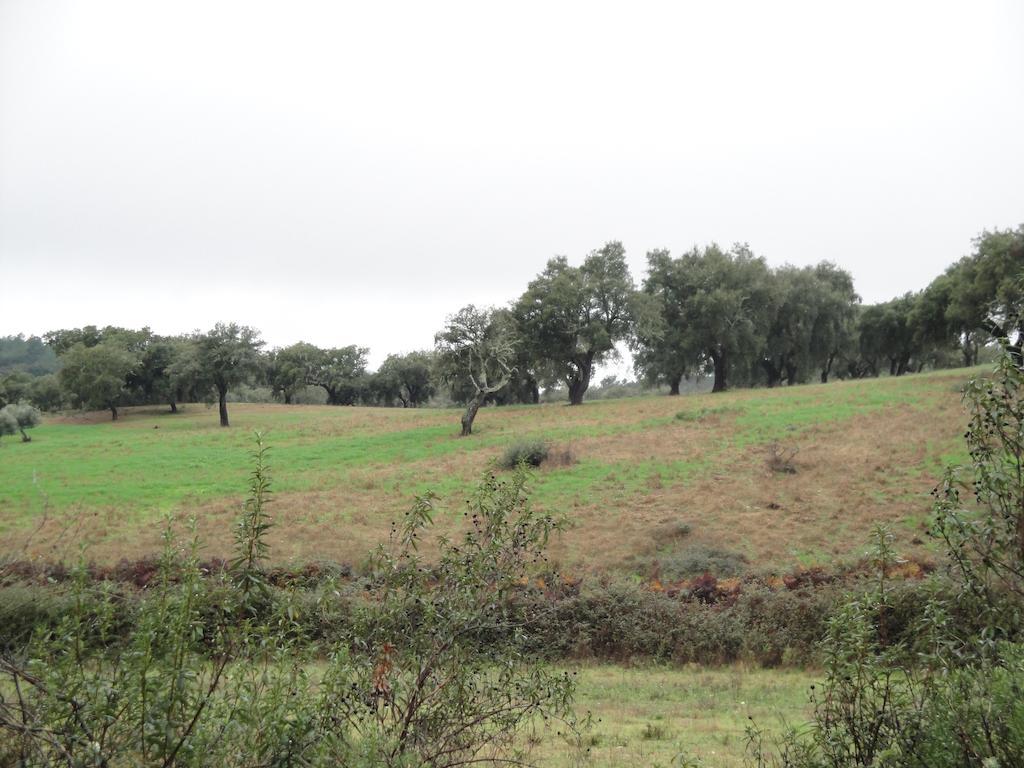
(650, 716)
(866, 451)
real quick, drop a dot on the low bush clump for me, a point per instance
(623, 621)
(27, 609)
(532, 453)
(698, 559)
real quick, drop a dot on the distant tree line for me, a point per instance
(709, 312)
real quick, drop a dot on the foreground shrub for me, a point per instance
(431, 666)
(624, 621)
(532, 453)
(25, 610)
(917, 690)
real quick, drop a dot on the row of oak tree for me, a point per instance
(723, 313)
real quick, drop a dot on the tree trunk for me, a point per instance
(827, 369)
(287, 398)
(893, 366)
(534, 391)
(579, 383)
(113, 413)
(791, 374)
(719, 360)
(24, 437)
(970, 351)
(673, 384)
(222, 398)
(470, 414)
(772, 371)
(174, 406)
(576, 391)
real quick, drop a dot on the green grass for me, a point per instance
(638, 459)
(869, 451)
(650, 716)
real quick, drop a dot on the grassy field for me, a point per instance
(649, 716)
(643, 470)
(867, 451)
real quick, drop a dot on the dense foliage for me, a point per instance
(937, 696)
(29, 355)
(476, 350)
(19, 417)
(570, 318)
(433, 667)
(708, 314)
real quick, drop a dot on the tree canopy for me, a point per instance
(407, 378)
(340, 371)
(663, 350)
(476, 347)
(29, 355)
(572, 317)
(289, 369)
(887, 336)
(8, 424)
(25, 416)
(709, 307)
(706, 311)
(96, 376)
(226, 356)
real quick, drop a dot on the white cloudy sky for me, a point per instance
(353, 172)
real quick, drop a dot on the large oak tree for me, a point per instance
(571, 317)
(95, 376)
(664, 350)
(407, 378)
(226, 356)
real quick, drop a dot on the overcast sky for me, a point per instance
(353, 172)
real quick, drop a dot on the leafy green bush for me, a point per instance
(430, 666)
(623, 620)
(25, 610)
(697, 559)
(915, 689)
(532, 453)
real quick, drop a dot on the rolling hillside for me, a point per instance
(645, 474)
